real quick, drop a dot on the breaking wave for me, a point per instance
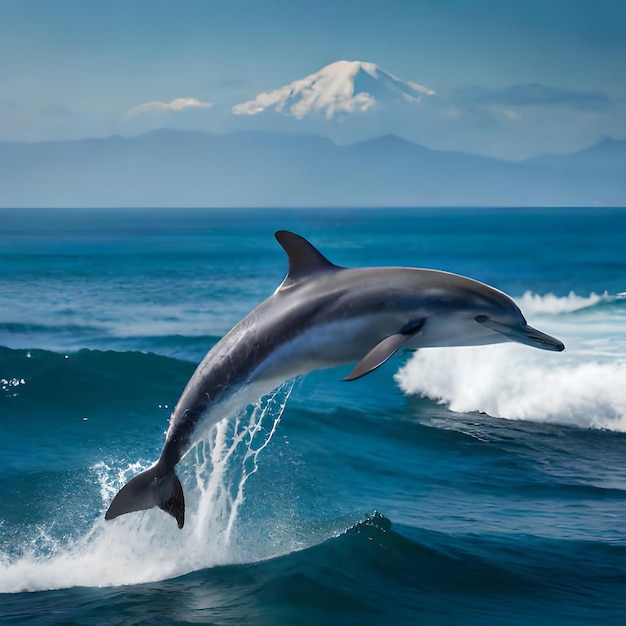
(138, 548)
(532, 303)
(582, 387)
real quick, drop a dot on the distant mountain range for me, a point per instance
(255, 169)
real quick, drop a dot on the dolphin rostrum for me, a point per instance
(322, 316)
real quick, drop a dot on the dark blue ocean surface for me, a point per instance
(478, 485)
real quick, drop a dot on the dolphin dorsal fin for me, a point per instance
(304, 258)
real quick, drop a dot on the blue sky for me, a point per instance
(512, 78)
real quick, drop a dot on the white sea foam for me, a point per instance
(585, 386)
(532, 303)
(147, 546)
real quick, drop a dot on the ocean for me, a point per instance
(469, 486)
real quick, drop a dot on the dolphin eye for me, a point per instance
(481, 319)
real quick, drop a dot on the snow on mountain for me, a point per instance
(341, 87)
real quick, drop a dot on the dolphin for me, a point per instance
(322, 316)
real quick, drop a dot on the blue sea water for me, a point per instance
(478, 485)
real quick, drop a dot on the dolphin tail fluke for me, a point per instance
(147, 490)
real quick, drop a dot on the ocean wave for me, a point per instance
(582, 387)
(39, 374)
(533, 303)
(510, 382)
(137, 548)
(191, 346)
(370, 572)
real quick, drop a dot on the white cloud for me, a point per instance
(534, 94)
(420, 88)
(178, 104)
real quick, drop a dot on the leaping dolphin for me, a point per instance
(321, 316)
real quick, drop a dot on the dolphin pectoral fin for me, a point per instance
(384, 350)
(147, 490)
(523, 334)
(378, 355)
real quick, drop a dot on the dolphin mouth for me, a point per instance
(534, 337)
(523, 334)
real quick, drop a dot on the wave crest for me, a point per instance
(556, 305)
(141, 547)
(509, 382)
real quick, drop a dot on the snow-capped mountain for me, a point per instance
(339, 88)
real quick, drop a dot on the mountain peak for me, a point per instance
(343, 87)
